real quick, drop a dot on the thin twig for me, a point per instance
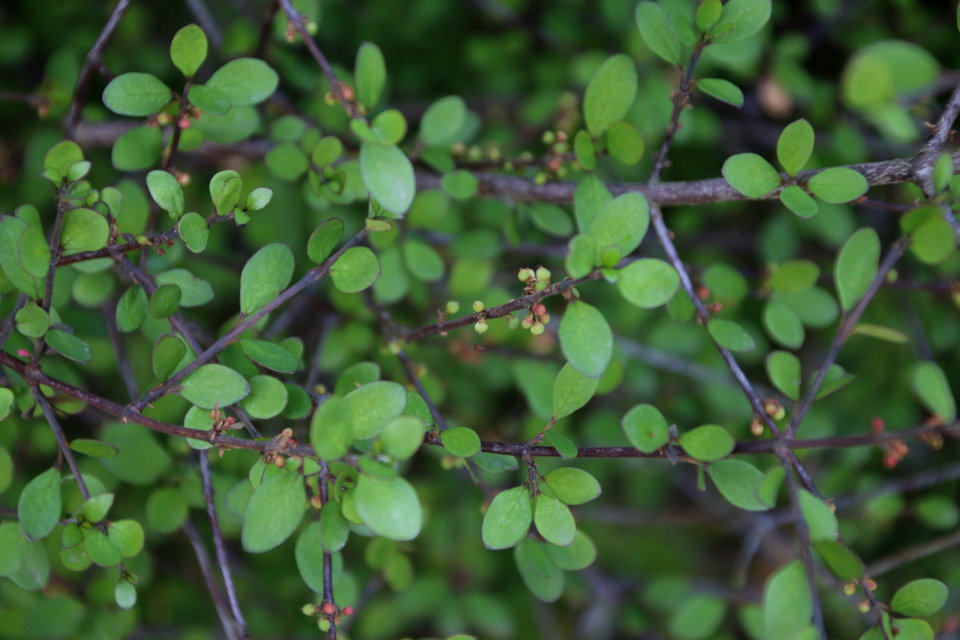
(313, 275)
(265, 30)
(327, 556)
(806, 552)
(914, 553)
(11, 320)
(925, 163)
(206, 568)
(207, 23)
(52, 267)
(109, 312)
(680, 101)
(846, 328)
(61, 440)
(219, 547)
(91, 64)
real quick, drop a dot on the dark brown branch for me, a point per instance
(680, 101)
(52, 267)
(206, 568)
(846, 328)
(219, 546)
(336, 86)
(11, 321)
(498, 312)
(806, 552)
(926, 161)
(266, 29)
(91, 64)
(914, 553)
(327, 557)
(61, 440)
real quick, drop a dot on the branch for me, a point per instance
(914, 553)
(927, 159)
(846, 328)
(806, 553)
(327, 557)
(219, 546)
(313, 275)
(61, 440)
(206, 568)
(92, 63)
(680, 101)
(11, 320)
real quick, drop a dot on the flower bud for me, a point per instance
(323, 624)
(525, 275)
(513, 322)
(537, 328)
(850, 588)
(309, 609)
(527, 322)
(348, 611)
(543, 273)
(329, 608)
(545, 318)
(864, 606)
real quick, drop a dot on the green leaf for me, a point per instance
(621, 223)
(166, 192)
(507, 519)
(245, 81)
(370, 72)
(193, 291)
(389, 507)
(165, 301)
(843, 562)
(722, 90)
(787, 605)
(132, 309)
(69, 345)
(935, 512)
(920, 598)
(739, 482)
(799, 201)
(286, 161)
(571, 390)
(168, 351)
(539, 573)
(83, 230)
(461, 185)
(708, 442)
(214, 385)
(751, 175)
(422, 260)
(586, 339)
(932, 238)
(496, 463)
(166, 509)
(783, 325)
(94, 448)
(697, 618)
(795, 146)
(270, 355)
(582, 255)
(930, 385)
(648, 283)
(461, 442)
(194, 231)
(33, 252)
(324, 239)
(652, 21)
(264, 276)
(794, 276)
(838, 184)
(60, 158)
(578, 556)
(127, 536)
(645, 428)
(682, 28)
(140, 461)
(819, 516)
(880, 332)
(6, 462)
(402, 436)
(356, 376)
(39, 506)
(586, 152)
(388, 175)
(442, 122)
(331, 429)
(589, 198)
(188, 49)
(274, 512)
(11, 232)
(32, 321)
(554, 521)
(551, 219)
(125, 595)
(708, 13)
(136, 94)
(309, 556)
(784, 371)
(913, 629)
(102, 551)
(564, 446)
(625, 142)
(725, 282)
(731, 335)
(835, 380)
(95, 509)
(746, 17)
(355, 270)
(572, 486)
(334, 528)
(266, 399)
(857, 266)
(372, 405)
(137, 149)
(612, 89)
(258, 199)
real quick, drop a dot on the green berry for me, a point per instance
(480, 327)
(537, 328)
(309, 609)
(543, 273)
(324, 624)
(453, 306)
(478, 306)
